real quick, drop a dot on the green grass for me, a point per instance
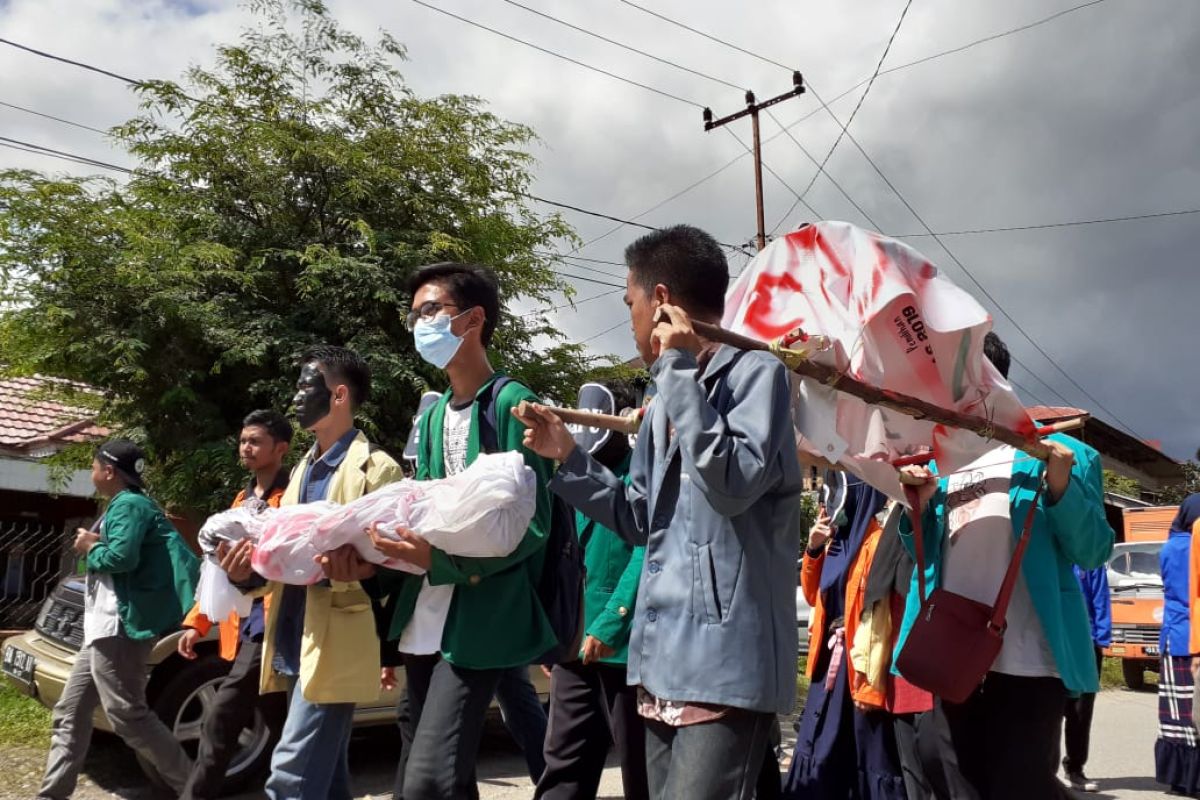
(23, 720)
(1111, 676)
(801, 677)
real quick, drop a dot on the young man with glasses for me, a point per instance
(470, 626)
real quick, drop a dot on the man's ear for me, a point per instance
(476, 318)
(662, 295)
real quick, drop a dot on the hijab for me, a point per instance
(862, 504)
(1189, 512)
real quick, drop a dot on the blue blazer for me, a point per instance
(1071, 531)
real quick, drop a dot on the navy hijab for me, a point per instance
(1189, 512)
(862, 504)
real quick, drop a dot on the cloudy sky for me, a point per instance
(1094, 114)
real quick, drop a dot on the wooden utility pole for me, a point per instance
(752, 108)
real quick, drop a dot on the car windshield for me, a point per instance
(1135, 565)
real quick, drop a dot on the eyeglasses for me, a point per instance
(427, 311)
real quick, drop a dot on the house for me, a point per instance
(40, 508)
(1120, 452)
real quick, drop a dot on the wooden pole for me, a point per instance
(905, 404)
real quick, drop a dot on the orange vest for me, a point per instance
(856, 590)
(229, 629)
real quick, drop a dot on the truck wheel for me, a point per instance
(1135, 673)
(183, 703)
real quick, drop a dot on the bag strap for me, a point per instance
(1000, 607)
(916, 511)
(489, 428)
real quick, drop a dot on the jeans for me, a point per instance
(718, 760)
(523, 715)
(110, 673)
(233, 710)
(590, 707)
(311, 760)
(445, 710)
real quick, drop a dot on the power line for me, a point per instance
(539, 48)
(984, 40)
(767, 167)
(820, 170)
(844, 128)
(982, 288)
(623, 46)
(51, 116)
(678, 24)
(73, 63)
(845, 93)
(606, 330)
(588, 280)
(50, 151)
(590, 213)
(574, 305)
(583, 266)
(904, 200)
(42, 153)
(1049, 225)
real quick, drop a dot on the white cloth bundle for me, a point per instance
(482, 512)
(216, 596)
(285, 550)
(233, 525)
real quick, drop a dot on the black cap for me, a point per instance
(125, 457)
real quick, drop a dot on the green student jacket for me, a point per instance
(495, 619)
(154, 573)
(614, 568)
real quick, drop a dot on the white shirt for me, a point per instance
(979, 547)
(423, 634)
(101, 617)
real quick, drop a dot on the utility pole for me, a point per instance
(752, 108)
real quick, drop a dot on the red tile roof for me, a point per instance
(1054, 413)
(31, 417)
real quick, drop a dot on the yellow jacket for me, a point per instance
(339, 654)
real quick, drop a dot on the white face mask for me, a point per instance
(434, 340)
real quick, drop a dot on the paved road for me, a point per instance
(1122, 760)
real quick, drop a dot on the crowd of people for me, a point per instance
(690, 535)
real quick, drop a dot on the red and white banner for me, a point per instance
(895, 322)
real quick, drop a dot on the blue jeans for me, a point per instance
(311, 760)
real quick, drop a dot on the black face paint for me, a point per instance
(313, 398)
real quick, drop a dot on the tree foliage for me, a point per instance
(1120, 484)
(283, 197)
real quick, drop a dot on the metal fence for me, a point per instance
(33, 557)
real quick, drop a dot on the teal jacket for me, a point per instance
(153, 571)
(495, 618)
(1072, 531)
(614, 568)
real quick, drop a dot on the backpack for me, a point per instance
(560, 588)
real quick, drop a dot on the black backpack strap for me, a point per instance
(489, 427)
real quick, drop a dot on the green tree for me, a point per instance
(1173, 495)
(282, 198)
(1119, 484)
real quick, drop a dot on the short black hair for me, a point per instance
(997, 353)
(346, 366)
(625, 394)
(687, 261)
(470, 285)
(275, 424)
